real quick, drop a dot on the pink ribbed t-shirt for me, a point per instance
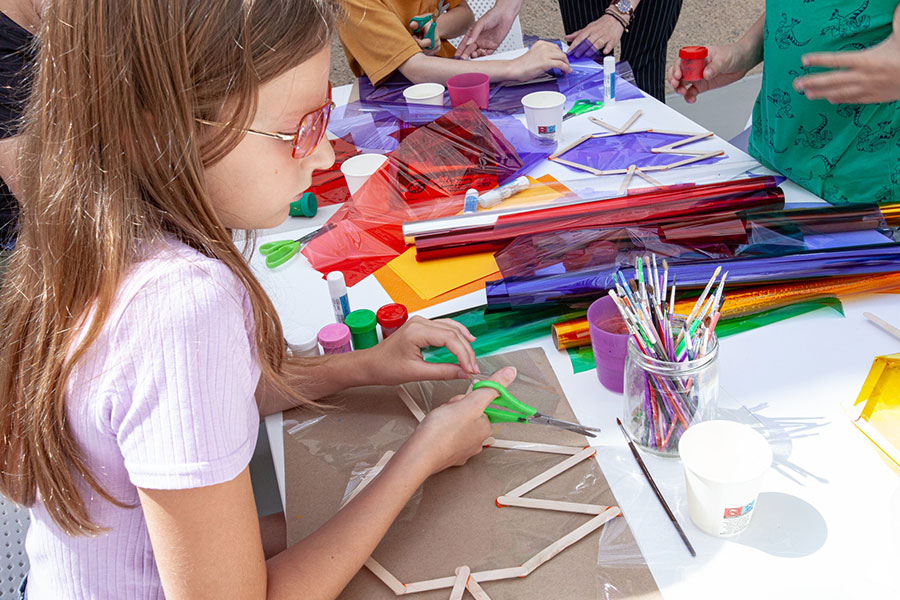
(164, 399)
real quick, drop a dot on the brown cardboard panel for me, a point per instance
(453, 519)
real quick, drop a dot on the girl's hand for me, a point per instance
(398, 359)
(423, 41)
(540, 58)
(455, 432)
(724, 65)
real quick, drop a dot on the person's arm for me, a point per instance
(206, 541)
(490, 30)
(539, 59)
(455, 22)
(396, 360)
(724, 64)
(600, 36)
(859, 77)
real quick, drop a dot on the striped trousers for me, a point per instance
(644, 46)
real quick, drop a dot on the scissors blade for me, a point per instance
(545, 420)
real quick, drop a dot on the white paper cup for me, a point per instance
(358, 169)
(724, 464)
(544, 114)
(425, 93)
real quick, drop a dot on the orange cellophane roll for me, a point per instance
(747, 301)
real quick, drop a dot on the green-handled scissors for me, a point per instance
(278, 253)
(519, 412)
(581, 107)
(420, 24)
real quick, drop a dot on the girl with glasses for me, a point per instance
(138, 349)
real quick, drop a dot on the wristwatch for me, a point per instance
(624, 7)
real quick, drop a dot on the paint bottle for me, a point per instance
(470, 206)
(609, 80)
(301, 341)
(497, 195)
(335, 338)
(362, 328)
(391, 317)
(337, 288)
(693, 62)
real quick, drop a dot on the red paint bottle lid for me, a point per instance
(392, 315)
(691, 52)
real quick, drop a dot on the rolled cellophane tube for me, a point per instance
(747, 301)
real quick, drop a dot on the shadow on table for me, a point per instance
(786, 526)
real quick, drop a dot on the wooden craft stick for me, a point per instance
(385, 576)
(606, 125)
(475, 590)
(417, 412)
(570, 538)
(440, 583)
(640, 173)
(372, 474)
(580, 140)
(552, 472)
(532, 446)
(687, 133)
(576, 165)
(677, 151)
(498, 574)
(688, 140)
(694, 159)
(459, 586)
(631, 121)
(573, 507)
(627, 180)
(883, 324)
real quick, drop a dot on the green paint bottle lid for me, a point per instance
(361, 321)
(306, 206)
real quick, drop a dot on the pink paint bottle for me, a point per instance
(334, 338)
(693, 61)
(391, 317)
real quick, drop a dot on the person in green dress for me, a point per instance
(828, 112)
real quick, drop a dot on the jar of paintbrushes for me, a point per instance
(671, 369)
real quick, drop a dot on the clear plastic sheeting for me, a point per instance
(613, 152)
(454, 518)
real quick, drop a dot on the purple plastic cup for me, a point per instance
(609, 339)
(469, 86)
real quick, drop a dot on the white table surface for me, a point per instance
(827, 524)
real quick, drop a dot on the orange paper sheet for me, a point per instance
(436, 277)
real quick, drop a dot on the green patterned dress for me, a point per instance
(842, 152)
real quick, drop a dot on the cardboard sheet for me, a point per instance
(453, 519)
(435, 277)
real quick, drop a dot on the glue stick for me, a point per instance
(609, 80)
(471, 204)
(497, 195)
(337, 288)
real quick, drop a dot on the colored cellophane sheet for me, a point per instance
(329, 184)
(880, 400)
(453, 519)
(719, 235)
(615, 152)
(424, 178)
(418, 285)
(582, 358)
(592, 283)
(663, 205)
(496, 330)
(585, 82)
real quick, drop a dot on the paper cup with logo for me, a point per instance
(724, 464)
(425, 93)
(359, 168)
(544, 114)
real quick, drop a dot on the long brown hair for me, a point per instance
(113, 159)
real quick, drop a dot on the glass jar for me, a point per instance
(663, 398)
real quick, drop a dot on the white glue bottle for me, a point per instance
(609, 80)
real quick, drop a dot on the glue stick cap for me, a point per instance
(392, 315)
(336, 285)
(609, 62)
(306, 206)
(361, 321)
